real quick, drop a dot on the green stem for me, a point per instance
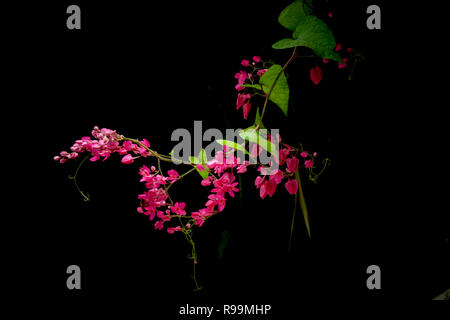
(303, 203)
(194, 260)
(180, 177)
(74, 178)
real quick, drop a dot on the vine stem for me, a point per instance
(194, 261)
(74, 178)
(294, 54)
(156, 154)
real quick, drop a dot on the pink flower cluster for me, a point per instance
(243, 100)
(268, 182)
(105, 142)
(155, 198)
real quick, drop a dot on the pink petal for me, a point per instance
(245, 62)
(246, 108)
(291, 186)
(127, 159)
(316, 75)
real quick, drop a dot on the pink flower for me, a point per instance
(200, 167)
(338, 47)
(173, 175)
(304, 154)
(178, 208)
(172, 230)
(241, 77)
(261, 72)
(344, 64)
(259, 181)
(225, 184)
(159, 225)
(216, 200)
(316, 75)
(127, 159)
(291, 186)
(245, 62)
(242, 98)
(256, 59)
(309, 164)
(330, 14)
(206, 182)
(325, 60)
(292, 164)
(283, 155)
(277, 176)
(268, 189)
(243, 167)
(246, 109)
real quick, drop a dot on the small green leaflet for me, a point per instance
(250, 134)
(261, 125)
(233, 145)
(200, 159)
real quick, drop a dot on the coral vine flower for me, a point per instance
(338, 47)
(127, 159)
(309, 164)
(261, 72)
(292, 164)
(173, 175)
(256, 59)
(242, 98)
(178, 208)
(172, 230)
(316, 75)
(245, 62)
(246, 109)
(304, 154)
(268, 189)
(206, 182)
(241, 77)
(291, 186)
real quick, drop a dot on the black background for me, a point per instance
(144, 70)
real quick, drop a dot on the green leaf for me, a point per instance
(194, 160)
(280, 93)
(286, 43)
(256, 86)
(313, 33)
(202, 159)
(250, 134)
(291, 16)
(202, 156)
(233, 145)
(303, 203)
(261, 125)
(307, 6)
